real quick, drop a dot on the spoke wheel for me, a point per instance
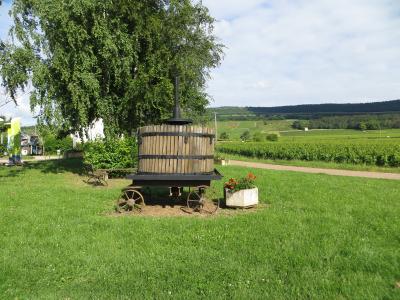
(131, 200)
(196, 199)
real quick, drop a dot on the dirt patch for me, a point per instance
(177, 208)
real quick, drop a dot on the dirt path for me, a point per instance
(316, 170)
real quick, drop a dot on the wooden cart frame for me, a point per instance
(197, 185)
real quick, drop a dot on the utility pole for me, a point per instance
(216, 125)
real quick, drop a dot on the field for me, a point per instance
(235, 128)
(342, 134)
(345, 148)
(382, 153)
(319, 237)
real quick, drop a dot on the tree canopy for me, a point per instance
(109, 59)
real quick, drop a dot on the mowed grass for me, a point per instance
(319, 237)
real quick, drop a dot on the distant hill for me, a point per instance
(348, 108)
(304, 110)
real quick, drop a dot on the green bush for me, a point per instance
(258, 137)
(273, 137)
(52, 144)
(246, 136)
(3, 147)
(301, 124)
(111, 153)
(362, 126)
(224, 136)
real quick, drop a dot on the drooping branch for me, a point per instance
(111, 60)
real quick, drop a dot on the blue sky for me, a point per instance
(283, 52)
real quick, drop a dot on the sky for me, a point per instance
(287, 52)
(10, 110)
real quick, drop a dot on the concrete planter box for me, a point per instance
(242, 198)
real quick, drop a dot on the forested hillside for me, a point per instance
(308, 110)
(349, 108)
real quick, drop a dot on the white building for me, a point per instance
(94, 132)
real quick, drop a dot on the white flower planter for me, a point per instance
(242, 198)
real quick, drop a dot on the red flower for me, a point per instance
(230, 184)
(251, 176)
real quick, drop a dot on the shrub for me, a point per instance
(52, 144)
(258, 137)
(111, 153)
(3, 146)
(273, 137)
(3, 149)
(301, 124)
(362, 126)
(224, 136)
(245, 136)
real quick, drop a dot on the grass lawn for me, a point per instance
(320, 237)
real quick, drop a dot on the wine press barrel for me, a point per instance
(176, 149)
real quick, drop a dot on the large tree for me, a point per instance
(110, 59)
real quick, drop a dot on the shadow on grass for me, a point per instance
(73, 165)
(14, 171)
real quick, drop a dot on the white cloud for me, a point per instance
(22, 109)
(306, 51)
(283, 52)
(228, 9)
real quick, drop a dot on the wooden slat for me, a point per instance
(144, 150)
(206, 146)
(157, 142)
(168, 161)
(144, 144)
(178, 151)
(190, 141)
(140, 151)
(203, 151)
(174, 149)
(210, 161)
(159, 150)
(195, 151)
(162, 151)
(184, 152)
(153, 151)
(175, 145)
